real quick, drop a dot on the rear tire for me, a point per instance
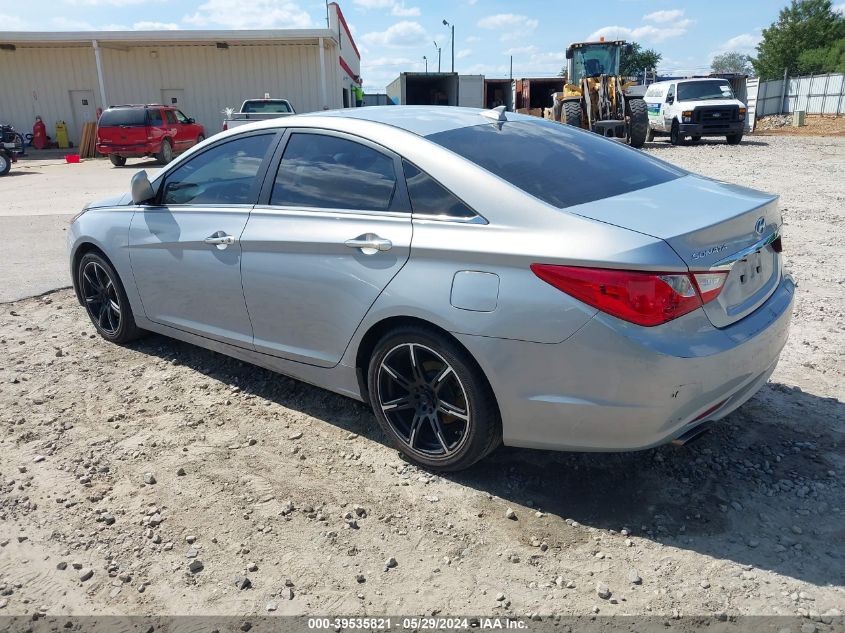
(165, 154)
(649, 136)
(734, 139)
(571, 114)
(675, 137)
(117, 161)
(200, 138)
(432, 400)
(105, 300)
(5, 164)
(638, 123)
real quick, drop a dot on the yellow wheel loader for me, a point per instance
(595, 97)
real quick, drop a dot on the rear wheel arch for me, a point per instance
(376, 331)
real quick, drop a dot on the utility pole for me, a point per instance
(452, 26)
(426, 63)
(510, 76)
(438, 56)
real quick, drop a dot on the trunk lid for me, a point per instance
(710, 225)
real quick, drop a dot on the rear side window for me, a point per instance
(333, 173)
(429, 197)
(556, 163)
(130, 117)
(155, 117)
(224, 174)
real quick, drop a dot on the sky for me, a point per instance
(394, 35)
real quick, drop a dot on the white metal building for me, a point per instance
(68, 76)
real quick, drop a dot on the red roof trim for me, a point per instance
(346, 67)
(345, 26)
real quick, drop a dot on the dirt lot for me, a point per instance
(261, 477)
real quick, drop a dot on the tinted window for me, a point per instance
(155, 117)
(704, 90)
(123, 116)
(171, 117)
(556, 163)
(224, 174)
(430, 197)
(266, 106)
(331, 172)
(671, 93)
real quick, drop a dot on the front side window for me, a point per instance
(333, 173)
(181, 117)
(224, 174)
(704, 90)
(429, 197)
(558, 164)
(670, 96)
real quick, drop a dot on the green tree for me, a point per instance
(638, 60)
(830, 59)
(803, 26)
(732, 62)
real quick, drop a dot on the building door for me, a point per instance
(84, 111)
(173, 97)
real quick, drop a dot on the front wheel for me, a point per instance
(675, 137)
(571, 113)
(105, 299)
(638, 123)
(117, 161)
(5, 163)
(432, 400)
(734, 139)
(200, 138)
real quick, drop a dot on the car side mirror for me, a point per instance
(142, 190)
(670, 100)
(191, 120)
(568, 53)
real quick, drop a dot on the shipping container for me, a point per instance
(537, 92)
(498, 92)
(471, 91)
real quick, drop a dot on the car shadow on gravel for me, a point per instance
(759, 488)
(665, 144)
(762, 488)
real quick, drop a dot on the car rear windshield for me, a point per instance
(704, 90)
(556, 163)
(270, 107)
(123, 116)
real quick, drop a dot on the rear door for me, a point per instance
(156, 129)
(333, 227)
(123, 128)
(185, 250)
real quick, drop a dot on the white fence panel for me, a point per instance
(815, 94)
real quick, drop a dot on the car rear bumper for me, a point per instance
(709, 129)
(124, 150)
(614, 386)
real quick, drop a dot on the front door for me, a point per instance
(185, 249)
(84, 111)
(328, 238)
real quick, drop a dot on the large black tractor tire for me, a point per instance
(638, 123)
(571, 114)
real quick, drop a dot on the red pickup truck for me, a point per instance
(145, 130)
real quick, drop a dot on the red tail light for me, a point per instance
(225, 126)
(644, 298)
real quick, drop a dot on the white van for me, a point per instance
(694, 108)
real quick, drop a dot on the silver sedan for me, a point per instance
(477, 276)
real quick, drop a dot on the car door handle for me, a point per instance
(370, 242)
(220, 239)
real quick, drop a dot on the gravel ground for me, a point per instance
(162, 478)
